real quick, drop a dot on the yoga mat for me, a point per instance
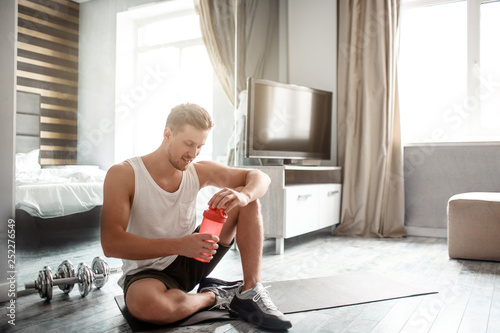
(339, 290)
(309, 294)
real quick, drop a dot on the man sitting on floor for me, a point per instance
(148, 219)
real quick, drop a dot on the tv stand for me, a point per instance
(300, 199)
(305, 162)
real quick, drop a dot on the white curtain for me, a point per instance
(254, 21)
(247, 26)
(217, 22)
(368, 120)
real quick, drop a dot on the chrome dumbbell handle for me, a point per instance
(89, 276)
(55, 281)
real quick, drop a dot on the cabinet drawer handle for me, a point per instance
(301, 197)
(330, 193)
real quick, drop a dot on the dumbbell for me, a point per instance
(65, 278)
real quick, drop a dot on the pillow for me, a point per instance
(28, 161)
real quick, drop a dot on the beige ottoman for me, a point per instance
(474, 226)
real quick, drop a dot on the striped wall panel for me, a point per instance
(47, 64)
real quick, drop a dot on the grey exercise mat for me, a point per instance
(310, 294)
(339, 290)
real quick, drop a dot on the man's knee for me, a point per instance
(148, 304)
(256, 204)
(249, 214)
(146, 310)
(252, 209)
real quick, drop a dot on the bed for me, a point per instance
(53, 203)
(56, 191)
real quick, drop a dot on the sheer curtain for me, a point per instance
(257, 23)
(368, 120)
(248, 27)
(217, 23)
(254, 22)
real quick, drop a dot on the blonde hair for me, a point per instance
(190, 114)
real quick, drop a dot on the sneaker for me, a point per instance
(256, 307)
(224, 291)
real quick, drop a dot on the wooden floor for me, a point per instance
(468, 298)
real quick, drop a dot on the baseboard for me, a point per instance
(427, 232)
(4, 292)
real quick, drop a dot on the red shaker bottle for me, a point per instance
(213, 221)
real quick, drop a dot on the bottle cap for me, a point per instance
(215, 214)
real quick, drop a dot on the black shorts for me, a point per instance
(183, 273)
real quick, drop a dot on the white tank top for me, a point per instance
(156, 213)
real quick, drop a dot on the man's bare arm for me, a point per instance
(238, 186)
(117, 242)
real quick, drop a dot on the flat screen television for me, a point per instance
(288, 122)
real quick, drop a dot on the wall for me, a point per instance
(48, 65)
(8, 37)
(97, 81)
(435, 172)
(312, 50)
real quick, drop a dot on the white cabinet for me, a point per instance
(329, 203)
(301, 209)
(299, 200)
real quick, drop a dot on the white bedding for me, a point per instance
(59, 191)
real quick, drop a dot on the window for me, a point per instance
(161, 62)
(490, 65)
(449, 73)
